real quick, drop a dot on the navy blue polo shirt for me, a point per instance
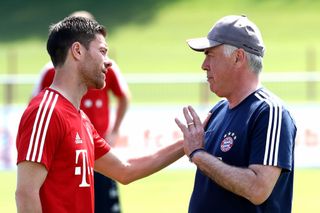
(259, 130)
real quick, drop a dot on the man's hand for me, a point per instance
(193, 132)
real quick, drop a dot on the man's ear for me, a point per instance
(239, 56)
(76, 50)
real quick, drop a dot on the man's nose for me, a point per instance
(107, 62)
(204, 66)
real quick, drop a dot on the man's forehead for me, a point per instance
(212, 49)
(100, 39)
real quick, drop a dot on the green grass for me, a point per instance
(169, 191)
(166, 191)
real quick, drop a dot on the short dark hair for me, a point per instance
(71, 29)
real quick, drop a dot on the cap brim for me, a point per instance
(200, 44)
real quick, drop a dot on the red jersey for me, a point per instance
(54, 133)
(95, 103)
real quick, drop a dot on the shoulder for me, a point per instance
(47, 101)
(42, 113)
(114, 70)
(116, 81)
(220, 105)
(267, 101)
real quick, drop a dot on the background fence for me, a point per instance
(173, 88)
(159, 98)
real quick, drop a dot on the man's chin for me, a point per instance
(101, 86)
(98, 86)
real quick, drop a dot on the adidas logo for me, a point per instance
(78, 139)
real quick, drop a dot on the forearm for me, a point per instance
(27, 202)
(147, 165)
(244, 182)
(127, 171)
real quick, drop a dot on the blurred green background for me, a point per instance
(170, 190)
(148, 37)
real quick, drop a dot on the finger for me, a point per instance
(195, 116)
(190, 122)
(187, 115)
(182, 127)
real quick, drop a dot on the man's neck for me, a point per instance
(242, 93)
(69, 86)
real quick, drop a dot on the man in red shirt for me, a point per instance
(58, 147)
(95, 103)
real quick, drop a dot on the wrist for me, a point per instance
(194, 152)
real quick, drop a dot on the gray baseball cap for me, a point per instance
(237, 31)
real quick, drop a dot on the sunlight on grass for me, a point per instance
(169, 191)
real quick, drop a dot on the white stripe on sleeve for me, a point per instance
(40, 126)
(46, 127)
(35, 125)
(273, 131)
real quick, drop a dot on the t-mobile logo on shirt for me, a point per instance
(84, 168)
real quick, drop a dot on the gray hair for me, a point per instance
(255, 62)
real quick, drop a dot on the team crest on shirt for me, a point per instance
(228, 141)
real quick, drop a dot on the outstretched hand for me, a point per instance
(193, 132)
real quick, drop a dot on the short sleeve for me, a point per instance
(38, 136)
(272, 137)
(101, 147)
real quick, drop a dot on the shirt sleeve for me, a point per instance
(38, 136)
(101, 147)
(272, 137)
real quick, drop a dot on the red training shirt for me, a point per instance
(54, 133)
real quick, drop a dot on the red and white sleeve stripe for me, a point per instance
(40, 126)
